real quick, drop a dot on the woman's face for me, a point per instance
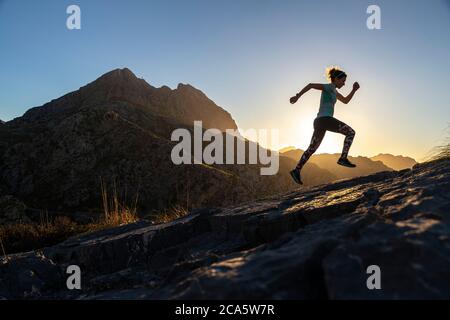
(340, 82)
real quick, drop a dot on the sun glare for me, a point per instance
(331, 143)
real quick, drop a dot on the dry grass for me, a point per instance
(21, 237)
(29, 236)
(443, 151)
(49, 231)
(115, 210)
(2, 247)
(168, 215)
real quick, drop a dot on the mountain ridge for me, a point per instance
(185, 103)
(364, 165)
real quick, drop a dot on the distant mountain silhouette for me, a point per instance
(286, 149)
(118, 129)
(395, 162)
(364, 165)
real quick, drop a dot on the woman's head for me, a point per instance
(336, 76)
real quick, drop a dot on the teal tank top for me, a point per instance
(327, 101)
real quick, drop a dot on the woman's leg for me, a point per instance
(316, 139)
(333, 124)
(349, 135)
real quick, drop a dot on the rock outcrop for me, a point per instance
(314, 243)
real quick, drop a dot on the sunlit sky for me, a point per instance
(248, 56)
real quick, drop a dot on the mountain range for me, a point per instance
(364, 165)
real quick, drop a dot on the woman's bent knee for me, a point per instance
(348, 131)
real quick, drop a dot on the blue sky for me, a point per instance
(249, 56)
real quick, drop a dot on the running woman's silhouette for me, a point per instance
(325, 120)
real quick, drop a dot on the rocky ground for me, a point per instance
(314, 243)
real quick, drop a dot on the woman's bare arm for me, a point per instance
(317, 86)
(347, 99)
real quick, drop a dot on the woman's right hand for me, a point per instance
(294, 99)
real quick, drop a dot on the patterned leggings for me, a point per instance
(321, 125)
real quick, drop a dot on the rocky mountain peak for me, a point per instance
(123, 91)
(184, 86)
(119, 84)
(115, 76)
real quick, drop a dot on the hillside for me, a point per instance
(395, 162)
(315, 243)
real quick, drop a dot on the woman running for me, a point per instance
(325, 120)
